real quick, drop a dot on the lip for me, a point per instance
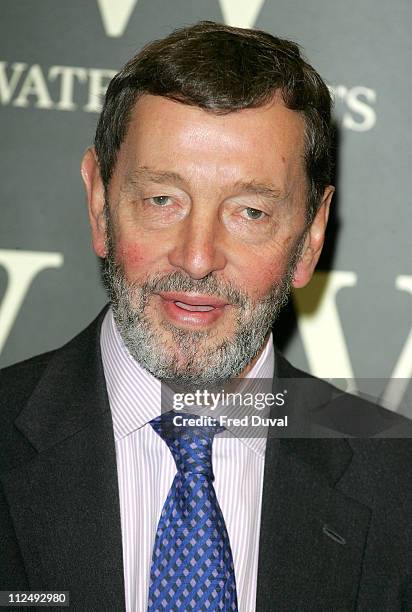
(188, 319)
(194, 299)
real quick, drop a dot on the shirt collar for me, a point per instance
(135, 394)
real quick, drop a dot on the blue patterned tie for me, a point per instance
(192, 565)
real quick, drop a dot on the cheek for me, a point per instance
(132, 257)
(257, 280)
(260, 270)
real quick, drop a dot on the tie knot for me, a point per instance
(190, 445)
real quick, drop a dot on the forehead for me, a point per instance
(259, 143)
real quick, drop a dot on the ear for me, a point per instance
(95, 199)
(314, 242)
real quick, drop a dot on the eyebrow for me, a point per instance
(144, 173)
(267, 191)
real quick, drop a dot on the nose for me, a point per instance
(198, 248)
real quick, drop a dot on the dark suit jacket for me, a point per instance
(336, 528)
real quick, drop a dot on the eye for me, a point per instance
(160, 200)
(254, 213)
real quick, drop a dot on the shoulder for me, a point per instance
(17, 384)
(20, 378)
(48, 376)
(340, 412)
(18, 381)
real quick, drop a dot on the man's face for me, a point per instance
(206, 217)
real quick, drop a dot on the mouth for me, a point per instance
(192, 309)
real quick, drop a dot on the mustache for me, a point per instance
(208, 285)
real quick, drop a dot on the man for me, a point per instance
(208, 192)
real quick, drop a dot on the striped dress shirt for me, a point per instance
(146, 469)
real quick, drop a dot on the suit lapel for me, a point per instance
(312, 536)
(64, 502)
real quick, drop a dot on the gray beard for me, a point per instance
(179, 356)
